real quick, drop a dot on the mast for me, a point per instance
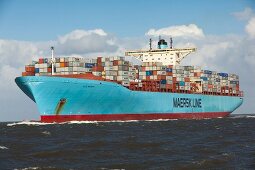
(52, 60)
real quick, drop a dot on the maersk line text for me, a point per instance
(187, 102)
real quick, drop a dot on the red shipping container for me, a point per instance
(98, 68)
(115, 62)
(99, 60)
(210, 86)
(143, 68)
(66, 64)
(41, 60)
(49, 70)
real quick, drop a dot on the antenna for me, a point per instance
(150, 44)
(52, 60)
(159, 37)
(171, 42)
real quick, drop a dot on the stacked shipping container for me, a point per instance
(150, 76)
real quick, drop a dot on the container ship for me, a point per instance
(113, 88)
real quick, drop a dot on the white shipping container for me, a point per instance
(122, 78)
(181, 87)
(75, 68)
(120, 73)
(169, 82)
(96, 73)
(115, 68)
(142, 73)
(62, 59)
(57, 65)
(125, 83)
(187, 87)
(169, 77)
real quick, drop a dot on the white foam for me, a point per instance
(29, 168)
(250, 116)
(29, 123)
(241, 116)
(46, 132)
(37, 123)
(3, 147)
(161, 120)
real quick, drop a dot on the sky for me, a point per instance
(223, 32)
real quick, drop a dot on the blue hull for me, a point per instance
(57, 96)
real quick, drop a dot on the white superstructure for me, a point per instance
(168, 56)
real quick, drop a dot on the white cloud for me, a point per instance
(78, 34)
(250, 28)
(246, 14)
(83, 42)
(191, 30)
(15, 53)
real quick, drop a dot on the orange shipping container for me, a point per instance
(154, 73)
(62, 64)
(169, 86)
(30, 69)
(197, 74)
(28, 74)
(169, 73)
(161, 77)
(186, 79)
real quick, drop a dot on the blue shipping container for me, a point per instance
(223, 74)
(89, 65)
(36, 70)
(148, 73)
(204, 78)
(168, 69)
(207, 72)
(182, 83)
(162, 81)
